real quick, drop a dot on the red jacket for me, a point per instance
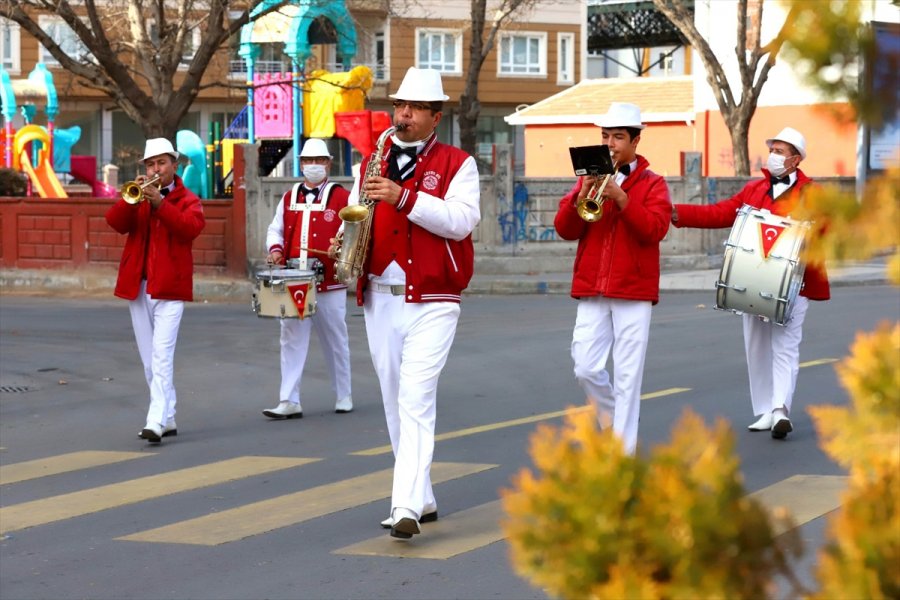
(618, 256)
(438, 268)
(756, 194)
(171, 229)
(323, 225)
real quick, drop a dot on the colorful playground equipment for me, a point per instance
(41, 174)
(283, 109)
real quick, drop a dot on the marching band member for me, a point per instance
(307, 218)
(616, 273)
(156, 275)
(427, 203)
(773, 351)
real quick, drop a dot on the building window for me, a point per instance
(565, 58)
(9, 46)
(523, 54)
(439, 49)
(63, 35)
(379, 53)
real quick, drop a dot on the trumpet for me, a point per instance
(133, 192)
(590, 208)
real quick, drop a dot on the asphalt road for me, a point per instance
(237, 506)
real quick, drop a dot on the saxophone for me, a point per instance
(357, 218)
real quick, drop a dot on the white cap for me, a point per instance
(423, 85)
(158, 146)
(792, 137)
(622, 114)
(314, 148)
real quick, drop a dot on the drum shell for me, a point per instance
(749, 282)
(272, 298)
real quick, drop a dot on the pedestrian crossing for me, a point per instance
(807, 496)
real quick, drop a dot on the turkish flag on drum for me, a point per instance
(299, 292)
(768, 235)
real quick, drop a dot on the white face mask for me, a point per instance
(775, 164)
(314, 173)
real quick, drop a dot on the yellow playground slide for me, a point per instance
(42, 175)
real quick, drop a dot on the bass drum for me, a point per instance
(762, 273)
(278, 292)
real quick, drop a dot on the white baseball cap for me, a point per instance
(314, 148)
(158, 146)
(421, 84)
(622, 114)
(792, 137)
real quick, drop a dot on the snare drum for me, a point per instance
(279, 292)
(762, 273)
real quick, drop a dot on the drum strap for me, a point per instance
(316, 204)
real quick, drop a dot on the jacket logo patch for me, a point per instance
(329, 215)
(430, 180)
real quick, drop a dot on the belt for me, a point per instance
(394, 290)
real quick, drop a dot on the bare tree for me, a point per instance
(754, 62)
(484, 35)
(134, 49)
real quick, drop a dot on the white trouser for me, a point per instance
(773, 359)
(331, 329)
(623, 326)
(155, 324)
(409, 344)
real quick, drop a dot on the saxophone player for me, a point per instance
(426, 203)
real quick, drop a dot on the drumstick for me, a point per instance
(314, 251)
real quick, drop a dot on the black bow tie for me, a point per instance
(164, 192)
(307, 191)
(786, 180)
(410, 151)
(625, 170)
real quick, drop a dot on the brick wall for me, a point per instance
(42, 233)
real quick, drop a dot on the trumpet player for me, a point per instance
(156, 272)
(426, 202)
(616, 273)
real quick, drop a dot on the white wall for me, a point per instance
(568, 12)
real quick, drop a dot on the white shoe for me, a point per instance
(764, 423)
(782, 425)
(170, 429)
(152, 432)
(344, 406)
(405, 524)
(429, 515)
(284, 410)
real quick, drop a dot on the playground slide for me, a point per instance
(194, 175)
(43, 177)
(84, 168)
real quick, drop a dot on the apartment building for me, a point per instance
(535, 56)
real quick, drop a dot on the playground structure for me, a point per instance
(284, 109)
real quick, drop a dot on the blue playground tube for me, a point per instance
(194, 175)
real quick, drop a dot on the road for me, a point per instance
(237, 506)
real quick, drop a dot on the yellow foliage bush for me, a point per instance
(862, 557)
(594, 522)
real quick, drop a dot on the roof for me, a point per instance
(661, 99)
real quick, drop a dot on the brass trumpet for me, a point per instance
(133, 192)
(590, 208)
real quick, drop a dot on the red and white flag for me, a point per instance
(768, 235)
(299, 292)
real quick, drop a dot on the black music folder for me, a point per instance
(592, 160)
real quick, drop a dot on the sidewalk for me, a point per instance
(223, 289)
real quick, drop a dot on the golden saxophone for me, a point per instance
(354, 243)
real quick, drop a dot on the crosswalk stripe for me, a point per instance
(64, 463)
(512, 423)
(283, 511)
(806, 497)
(75, 504)
(449, 536)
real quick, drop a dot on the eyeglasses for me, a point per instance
(412, 105)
